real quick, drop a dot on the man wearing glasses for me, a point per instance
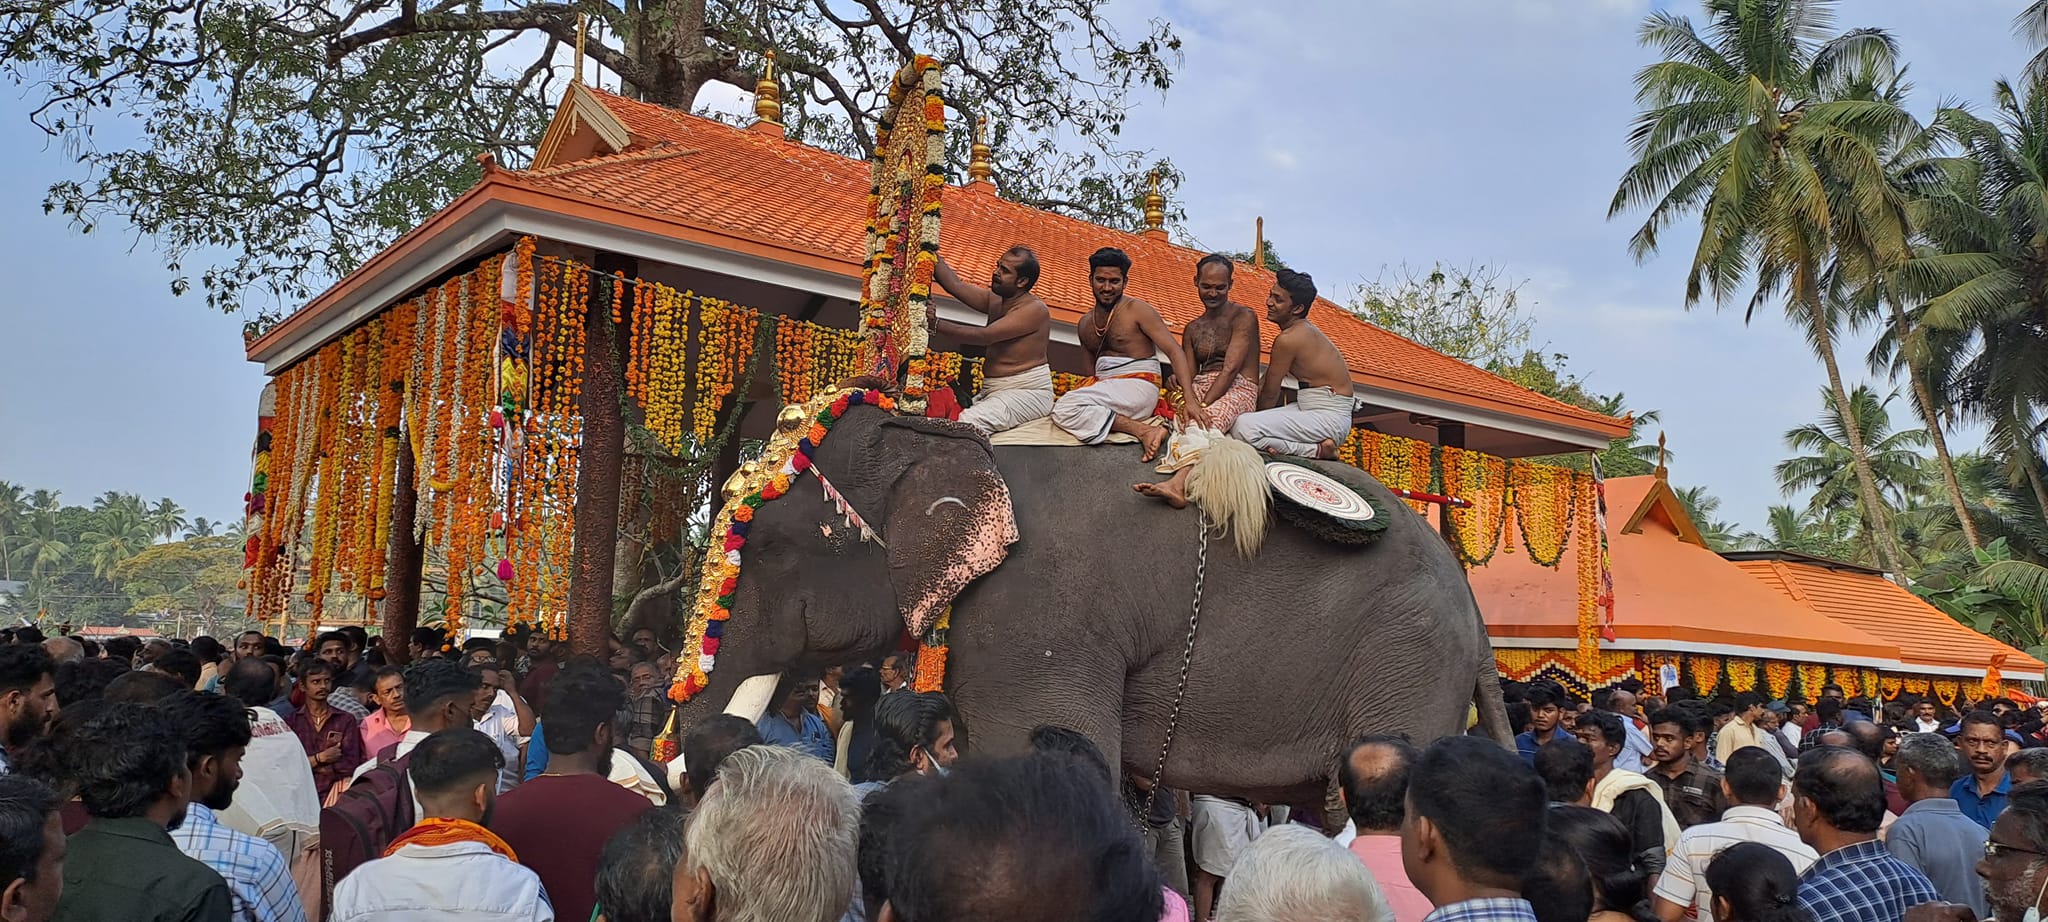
(2015, 866)
(1981, 794)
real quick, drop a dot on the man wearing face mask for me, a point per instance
(914, 735)
(2014, 866)
(558, 822)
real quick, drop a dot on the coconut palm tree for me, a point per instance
(119, 531)
(1984, 274)
(1823, 465)
(13, 513)
(43, 542)
(201, 527)
(1701, 506)
(1756, 124)
(165, 519)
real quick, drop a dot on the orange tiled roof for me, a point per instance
(1879, 607)
(1670, 593)
(759, 186)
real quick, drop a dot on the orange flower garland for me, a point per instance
(1811, 678)
(1545, 507)
(1706, 674)
(1741, 674)
(1588, 631)
(907, 179)
(1481, 480)
(1778, 677)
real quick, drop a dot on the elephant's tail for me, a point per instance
(1229, 484)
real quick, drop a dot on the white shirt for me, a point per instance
(1924, 725)
(501, 723)
(1684, 880)
(1635, 753)
(277, 794)
(430, 883)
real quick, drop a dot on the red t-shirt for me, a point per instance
(558, 825)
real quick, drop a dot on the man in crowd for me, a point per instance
(1925, 717)
(132, 777)
(1844, 713)
(1223, 342)
(914, 735)
(1320, 416)
(333, 740)
(1472, 812)
(1016, 381)
(389, 723)
(1566, 768)
(31, 850)
(707, 746)
(438, 696)
(1033, 838)
(2021, 767)
(1837, 807)
(559, 822)
(895, 672)
(1752, 785)
(1869, 738)
(28, 698)
(216, 733)
(636, 872)
(1633, 798)
(1124, 335)
(773, 839)
(1635, 750)
(1981, 793)
(648, 708)
(1546, 710)
(279, 800)
(248, 645)
(792, 719)
(1692, 791)
(1741, 730)
(1932, 834)
(1374, 777)
(64, 650)
(493, 715)
(448, 865)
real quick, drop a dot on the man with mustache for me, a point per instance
(1126, 336)
(1016, 383)
(28, 698)
(217, 733)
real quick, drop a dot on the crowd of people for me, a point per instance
(506, 780)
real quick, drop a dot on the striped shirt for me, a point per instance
(258, 879)
(1684, 880)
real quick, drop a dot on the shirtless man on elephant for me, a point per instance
(1320, 416)
(1224, 344)
(1125, 335)
(1017, 381)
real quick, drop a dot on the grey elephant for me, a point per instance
(1086, 622)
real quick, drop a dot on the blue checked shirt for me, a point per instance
(1863, 883)
(258, 878)
(1496, 909)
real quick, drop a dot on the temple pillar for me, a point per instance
(598, 469)
(404, 557)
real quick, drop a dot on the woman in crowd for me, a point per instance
(1752, 882)
(1621, 890)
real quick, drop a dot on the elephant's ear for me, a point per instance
(949, 519)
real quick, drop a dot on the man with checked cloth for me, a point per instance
(1124, 335)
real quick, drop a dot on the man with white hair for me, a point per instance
(1294, 873)
(772, 841)
(64, 649)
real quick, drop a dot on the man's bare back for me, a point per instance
(1313, 360)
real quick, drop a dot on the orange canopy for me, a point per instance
(1670, 594)
(1928, 640)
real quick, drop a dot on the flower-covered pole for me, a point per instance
(404, 556)
(602, 459)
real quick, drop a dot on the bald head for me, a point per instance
(1842, 788)
(1867, 737)
(64, 650)
(1374, 776)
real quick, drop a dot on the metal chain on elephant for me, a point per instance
(1187, 660)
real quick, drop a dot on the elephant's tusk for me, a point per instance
(955, 500)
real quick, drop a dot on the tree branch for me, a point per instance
(410, 22)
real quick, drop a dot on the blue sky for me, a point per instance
(1367, 134)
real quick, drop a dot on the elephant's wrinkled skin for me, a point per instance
(1085, 623)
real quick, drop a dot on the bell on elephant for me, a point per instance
(792, 418)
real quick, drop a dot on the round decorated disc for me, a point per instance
(1318, 491)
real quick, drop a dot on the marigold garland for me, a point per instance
(931, 654)
(1482, 480)
(1741, 674)
(907, 179)
(1811, 677)
(1544, 507)
(1589, 554)
(1706, 674)
(1945, 691)
(1778, 677)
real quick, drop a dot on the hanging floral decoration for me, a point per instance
(1914, 686)
(1945, 691)
(1812, 677)
(1741, 674)
(1482, 481)
(1563, 667)
(931, 654)
(259, 487)
(786, 457)
(1848, 679)
(1590, 551)
(1706, 674)
(1778, 678)
(1544, 507)
(907, 180)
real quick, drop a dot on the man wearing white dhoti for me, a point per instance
(1320, 417)
(1016, 381)
(1124, 335)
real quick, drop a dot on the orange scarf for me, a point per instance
(436, 830)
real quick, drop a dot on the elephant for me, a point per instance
(1086, 622)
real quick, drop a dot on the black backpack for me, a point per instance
(364, 820)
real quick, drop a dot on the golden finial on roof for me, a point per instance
(977, 162)
(1259, 242)
(768, 96)
(1662, 473)
(1155, 206)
